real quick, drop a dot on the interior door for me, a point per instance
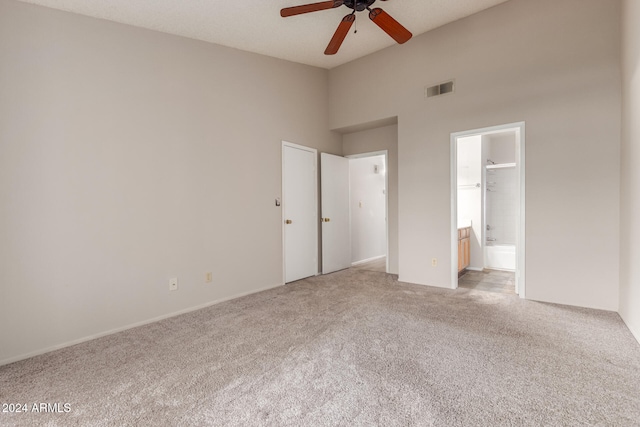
(300, 212)
(336, 232)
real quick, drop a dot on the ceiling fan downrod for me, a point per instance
(358, 5)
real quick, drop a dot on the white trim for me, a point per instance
(454, 209)
(501, 166)
(519, 128)
(369, 154)
(282, 203)
(384, 153)
(132, 325)
(500, 269)
(521, 231)
(635, 333)
(364, 261)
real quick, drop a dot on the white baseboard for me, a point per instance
(133, 325)
(634, 332)
(499, 269)
(363, 261)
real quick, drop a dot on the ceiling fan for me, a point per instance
(381, 18)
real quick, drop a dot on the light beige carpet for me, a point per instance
(350, 348)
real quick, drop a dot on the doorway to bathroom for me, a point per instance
(487, 209)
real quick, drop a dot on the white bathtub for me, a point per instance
(500, 257)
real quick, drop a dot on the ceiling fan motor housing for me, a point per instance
(378, 16)
(358, 5)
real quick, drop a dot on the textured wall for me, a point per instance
(128, 157)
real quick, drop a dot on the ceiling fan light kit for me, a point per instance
(379, 17)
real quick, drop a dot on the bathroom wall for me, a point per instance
(501, 147)
(469, 173)
(501, 196)
(501, 205)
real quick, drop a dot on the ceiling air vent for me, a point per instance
(439, 89)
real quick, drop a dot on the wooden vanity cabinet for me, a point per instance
(464, 248)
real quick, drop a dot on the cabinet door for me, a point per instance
(466, 249)
(460, 256)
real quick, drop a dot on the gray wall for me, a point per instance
(554, 65)
(378, 139)
(128, 157)
(630, 194)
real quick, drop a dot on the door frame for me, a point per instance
(283, 201)
(519, 128)
(384, 153)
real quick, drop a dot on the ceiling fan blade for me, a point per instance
(389, 25)
(306, 8)
(340, 34)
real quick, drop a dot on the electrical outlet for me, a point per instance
(173, 284)
(434, 262)
(208, 277)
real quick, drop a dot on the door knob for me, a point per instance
(327, 219)
(288, 221)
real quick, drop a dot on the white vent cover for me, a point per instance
(439, 89)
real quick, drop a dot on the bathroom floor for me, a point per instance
(498, 281)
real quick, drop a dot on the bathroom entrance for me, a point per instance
(488, 209)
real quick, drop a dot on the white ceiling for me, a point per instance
(256, 25)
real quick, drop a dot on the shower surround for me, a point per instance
(501, 210)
